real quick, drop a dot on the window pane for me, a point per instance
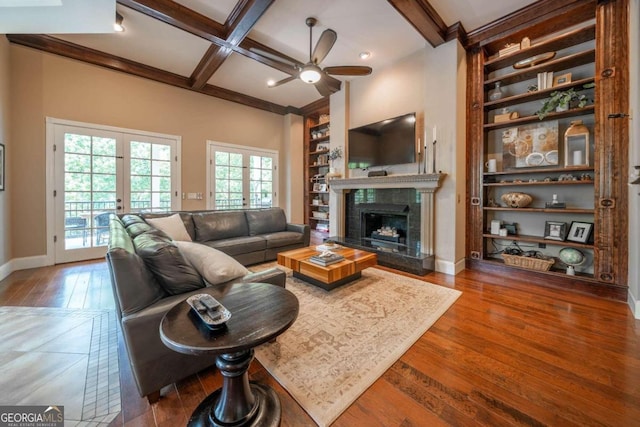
(235, 173)
(161, 152)
(104, 146)
(77, 162)
(104, 183)
(103, 164)
(235, 159)
(77, 143)
(77, 182)
(140, 167)
(161, 168)
(140, 150)
(140, 183)
(222, 158)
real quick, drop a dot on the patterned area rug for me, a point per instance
(344, 340)
(63, 357)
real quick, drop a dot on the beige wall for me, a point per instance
(46, 85)
(5, 221)
(433, 82)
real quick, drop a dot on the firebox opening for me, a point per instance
(384, 227)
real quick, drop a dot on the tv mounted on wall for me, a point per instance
(384, 143)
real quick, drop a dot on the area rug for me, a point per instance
(345, 339)
(61, 357)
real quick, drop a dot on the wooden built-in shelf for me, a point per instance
(564, 63)
(319, 166)
(533, 119)
(313, 153)
(541, 170)
(553, 44)
(544, 210)
(513, 184)
(534, 96)
(325, 138)
(538, 239)
(552, 272)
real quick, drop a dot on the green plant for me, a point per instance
(335, 154)
(562, 99)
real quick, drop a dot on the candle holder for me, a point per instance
(576, 145)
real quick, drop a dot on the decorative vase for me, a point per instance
(517, 200)
(496, 93)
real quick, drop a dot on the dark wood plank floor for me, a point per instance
(506, 353)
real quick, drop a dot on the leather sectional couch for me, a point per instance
(150, 275)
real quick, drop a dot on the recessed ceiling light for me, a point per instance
(117, 25)
(270, 83)
(365, 55)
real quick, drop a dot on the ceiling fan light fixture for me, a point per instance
(310, 74)
(117, 26)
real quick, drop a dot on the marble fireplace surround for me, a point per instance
(425, 184)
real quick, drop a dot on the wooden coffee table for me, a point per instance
(331, 276)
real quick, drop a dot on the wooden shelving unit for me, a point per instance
(317, 136)
(590, 46)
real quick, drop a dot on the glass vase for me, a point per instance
(496, 93)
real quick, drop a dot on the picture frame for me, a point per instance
(562, 79)
(316, 186)
(323, 188)
(2, 167)
(554, 230)
(580, 232)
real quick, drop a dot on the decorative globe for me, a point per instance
(571, 257)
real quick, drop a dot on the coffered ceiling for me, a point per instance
(208, 46)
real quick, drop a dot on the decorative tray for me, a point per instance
(212, 314)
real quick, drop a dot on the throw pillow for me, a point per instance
(172, 225)
(215, 266)
(172, 271)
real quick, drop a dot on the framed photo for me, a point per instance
(534, 145)
(562, 79)
(1, 167)
(580, 231)
(555, 230)
(316, 186)
(323, 188)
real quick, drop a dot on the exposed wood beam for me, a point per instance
(424, 18)
(243, 17)
(192, 22)
(560, 13)
(70, 50)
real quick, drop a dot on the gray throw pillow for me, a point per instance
(163, 258)
(215, 266)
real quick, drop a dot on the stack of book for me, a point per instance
(326, 260)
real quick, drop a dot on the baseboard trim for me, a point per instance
(634, 305)
(22, 264)
(450, 268)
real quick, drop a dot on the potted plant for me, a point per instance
(335, 154)
(562, 100)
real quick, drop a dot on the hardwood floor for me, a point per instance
(506, 353)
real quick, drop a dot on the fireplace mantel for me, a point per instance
(425, 184)
(429, 181)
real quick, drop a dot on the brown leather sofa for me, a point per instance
(141, 300)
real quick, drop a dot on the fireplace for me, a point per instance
(384, 222)
(362, 206)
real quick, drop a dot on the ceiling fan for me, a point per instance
(311, 72)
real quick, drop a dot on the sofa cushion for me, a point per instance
(215, 266)
(239, 245)
(219, 225)
(283, 238)
(185, 216)
(172, 225)
(135, 229)
(266, 221)
(172, 271)
(128, 219)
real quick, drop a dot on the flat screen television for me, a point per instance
(384, 143)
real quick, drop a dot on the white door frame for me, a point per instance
(209, 168)
(50, 177)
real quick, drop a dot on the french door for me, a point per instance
(241, 177)
(100, 172)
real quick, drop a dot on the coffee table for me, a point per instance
(259, 313)
(331, 276)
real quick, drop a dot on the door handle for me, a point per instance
(118, 208)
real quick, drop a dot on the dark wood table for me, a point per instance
(259, 313)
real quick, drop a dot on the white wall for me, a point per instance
(431, 82)
(5, 224)
(291, 167)
(634, 157)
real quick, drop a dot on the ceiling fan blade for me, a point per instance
(348, 70)
(324, 45)
(283, 81)
(274, 57)
(328, 85)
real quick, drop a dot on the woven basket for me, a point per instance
(530, 263)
